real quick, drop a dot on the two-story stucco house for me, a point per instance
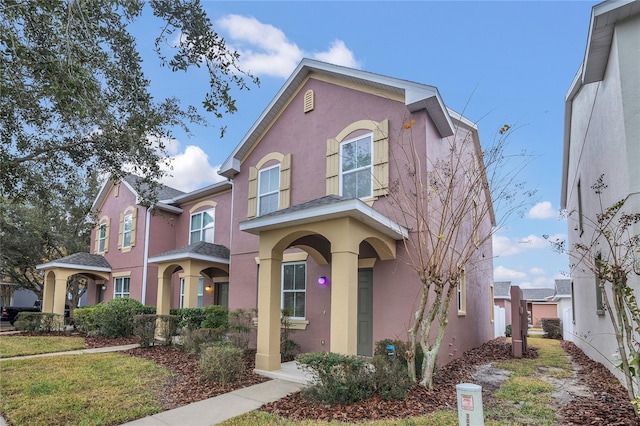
(602, 137)
(304, 222)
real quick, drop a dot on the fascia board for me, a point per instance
(72, 266)
(183, 256)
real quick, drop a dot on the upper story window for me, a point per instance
(462, 293)
(126, 230)
(202, 226)
(101, 245)
(294, 287)
(356, 167)
(102, 238)
(268, 190)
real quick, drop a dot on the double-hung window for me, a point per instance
(462, 293)
(102, 238)
(268, 190)
(294, 285)
(200, 292)
(121, 285)
(202, 226)
(356, 168)
(126, 230)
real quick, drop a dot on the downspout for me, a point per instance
(145, 260)
(231, 219)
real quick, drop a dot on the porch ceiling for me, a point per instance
(322, 209)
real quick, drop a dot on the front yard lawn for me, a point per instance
(88, 389)
(17, 345)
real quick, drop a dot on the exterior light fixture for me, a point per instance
(323, 281)
(208, 288)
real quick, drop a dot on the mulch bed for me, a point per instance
(608, 404)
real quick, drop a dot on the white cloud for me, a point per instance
(266, 50)
(503, 246)
(543, 210)
(191, 170)
(500, 273)
(537, 271)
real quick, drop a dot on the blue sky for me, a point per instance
(495, 62)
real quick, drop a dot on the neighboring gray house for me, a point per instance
(602, 137)
(502, 298)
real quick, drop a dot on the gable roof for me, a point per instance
(537, 294)
(132, 182)
(502, 290)
(417, 97)
(562, 289)
(200, 250)
(86, 261)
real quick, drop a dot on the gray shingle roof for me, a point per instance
(537, 293)
(563, 287)
(199, 248)
(318, 202)
(79, 260)
(502, 290)
(164, 192)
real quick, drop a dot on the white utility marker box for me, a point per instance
(470, 405)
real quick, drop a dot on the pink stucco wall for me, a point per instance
(543, 310)
(396, 286)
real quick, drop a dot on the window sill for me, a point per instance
(600, 312)
(462, 313)
(294, 324)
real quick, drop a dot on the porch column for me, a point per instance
(268, 345)
(163, 304)
(190, 290)
(60, 295)
(48, 291)
(344, 302)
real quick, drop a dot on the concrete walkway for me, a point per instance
(213, 410)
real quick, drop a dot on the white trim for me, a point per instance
(211, 212)
(184, 256)
(55, 264)
(145, 256)
(352, 207)
(276, 192)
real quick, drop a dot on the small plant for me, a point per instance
(222, 363)
(194, 340)
(552, 328)
(507, 331)
(401, 350)
(190, 318)
(144, 328)
(288, 347)
(339, 379)
(240, 327)
(391, 377)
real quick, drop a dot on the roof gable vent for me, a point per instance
(308, 101)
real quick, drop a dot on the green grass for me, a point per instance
(17, 345)
(525, 397)
(88, 389)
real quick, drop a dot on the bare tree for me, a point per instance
(446, 195)
(611, 252)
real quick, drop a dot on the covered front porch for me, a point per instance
(195, 260)
(58, 272)
(332, 230)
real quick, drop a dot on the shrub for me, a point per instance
(338, 379)
(166, 327)
(240, 327)
(116, 317)
(144, 328)
(507, 331)
(552, 328)
(85, 319)
(215, 316)
(44, 322)
(194, 340)
(222, 363)
(190, 318)
(401, 348)
(391, 377)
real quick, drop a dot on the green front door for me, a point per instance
(365, 312)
